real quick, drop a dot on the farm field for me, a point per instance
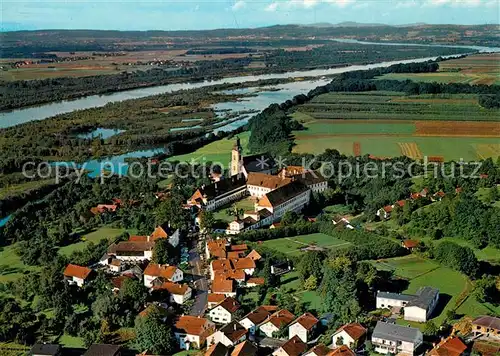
(95, 236)
(453, 286)
(294, 245)
(218, 151)
(387, 124)
(477, 69)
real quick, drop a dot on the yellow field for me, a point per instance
(488, 150)
(410, 149)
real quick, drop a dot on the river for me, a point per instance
(20, 116)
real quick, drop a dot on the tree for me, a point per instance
(153, 334)
(311, 264)
(311, 283)
(207, 220)
(171, 210)
(430, 328)
(485, 290)
(133, 293)
(163, 252)
(289, 218)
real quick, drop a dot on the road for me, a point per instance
(200, 282)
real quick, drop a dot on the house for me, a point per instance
(385, 212)
(115, 265)
(229, 335)
(103, 350)
(293, 347)
(254, 282)
(487, 326)
(132, 250)
(104, 208)
(254, 255)
(216, 248)
(344, 222)
(246, 348)
(223, 286)
(118, 282)
(259, 184)
(74, 274)
(421, 307)
(251, 220)
(45, 350)
(341, 351)
(275, 322)
(218, 349)
(213, 299)
(396, 339)
(303, 327)
(313, 180)
(451, 346)
(192, 331)
(224, 312)
(318, 350)
(179, 293)
(166, 232)
(438, 196)
(281, 268)
(217, 194)
(352, 335)
(256, 317)
(290, 197)
(165, 272)
(410, 244)
(247, 265)
(417, 307)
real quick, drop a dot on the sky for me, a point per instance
(210, 14)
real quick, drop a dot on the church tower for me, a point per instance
(236, 159)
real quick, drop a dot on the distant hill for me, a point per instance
(359, 24)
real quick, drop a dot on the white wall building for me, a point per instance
(303, 327)
(224, 311)
(396, 339)
(163, 272)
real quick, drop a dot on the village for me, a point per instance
(204, 295)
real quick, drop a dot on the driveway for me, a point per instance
(200, 282)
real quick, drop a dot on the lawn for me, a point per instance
(17, 189)
(105, 232)
(247, 204)
(71, 341)
(453, 286)
(488, 253)
(11, 267)
(218, 151)
(293, 245)
(291, 282)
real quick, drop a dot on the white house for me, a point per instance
(163, 272)
(303, 327)
(179, 293)
(166, 232)
(229, 335)
(417, 307)
(192, 332)
(351, 335)
(385, 212)
(275, 322)
(293, 347)
(396, 339)
(290, 197)
(257, 316)
(74, 274)
(133, 251)
(217, 194)
(223, 286)
(224, 311)
(259, 184)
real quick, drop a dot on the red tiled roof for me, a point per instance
(135, 238)
(192, 325)
(256, 280)
(260, 314)
(235, 254)
(157, 270)
(173, 288)
(242, 247)
(246, 348)
(342, 351)
(354, 330)
(237, 275)
(218, 349)
(159, 233)
(220, 285)
(234, 331)
(254, 255)
(401, 203)
(451, 346)
(215, 298)
(266, 180)
(281, 318)
(229, 304)
(415, 195)
(410, 243)
(307, 320)
(118, 281)
(221, 265)
(387, 208)
(243, 263)
(77, 271)
(294, 346)
(319, 350)
(129, 246)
